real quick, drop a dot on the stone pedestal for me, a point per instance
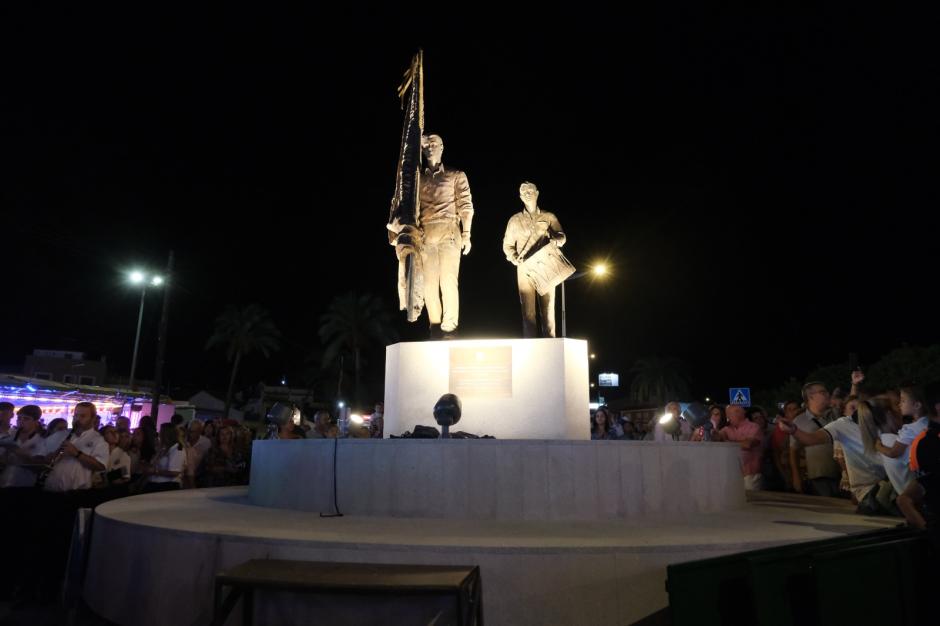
(509, 388)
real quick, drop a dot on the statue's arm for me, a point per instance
(464, 201)
(556, 233)
(509, 244)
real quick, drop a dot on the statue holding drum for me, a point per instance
(532, 243)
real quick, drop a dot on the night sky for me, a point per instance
(762, 184)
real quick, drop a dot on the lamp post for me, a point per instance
(138, 277)
(591, 357)
(599, 270)
(161, 343)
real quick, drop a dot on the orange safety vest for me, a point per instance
(915, 466)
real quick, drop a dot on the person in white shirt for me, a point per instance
(865, 469)
(672, 428)
(166, 471)
(76, 453)
(74, 456)
(119, 463)
(6, 431)
(895, 450)
(822, 471)
(196, 447)
(23, 460)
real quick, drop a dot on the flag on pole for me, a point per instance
(403, 221)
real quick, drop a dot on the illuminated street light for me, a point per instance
(598, 270)
(139, 278)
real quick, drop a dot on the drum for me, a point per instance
(547, 268)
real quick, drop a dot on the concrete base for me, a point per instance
(509, 388)
(153, 558)
(498, 479)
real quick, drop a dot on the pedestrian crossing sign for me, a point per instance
(740, 396)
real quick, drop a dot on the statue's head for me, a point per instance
(529, 194)
(432, 146)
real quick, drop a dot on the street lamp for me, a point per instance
(139, 278)
(598, 270)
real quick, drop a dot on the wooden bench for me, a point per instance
(366, 578)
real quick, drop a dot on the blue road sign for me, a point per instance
(740, 395)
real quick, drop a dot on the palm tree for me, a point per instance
(657, 378)
(243, 331)
(353, 325)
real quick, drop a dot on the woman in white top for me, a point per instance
(166, 471)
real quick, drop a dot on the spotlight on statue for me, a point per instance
(279, 415)
(447, 413)
(696, 414)
(669, 423)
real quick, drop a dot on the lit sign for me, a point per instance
(608, 379)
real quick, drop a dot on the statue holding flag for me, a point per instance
(430, 219)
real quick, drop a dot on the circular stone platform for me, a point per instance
(499, 479)
(153, 557)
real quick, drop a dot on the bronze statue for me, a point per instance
(430, 218)
(531, 243)
(446, 212)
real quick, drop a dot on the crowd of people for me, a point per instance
(324, 426)
(115, 458)
(876, 448)
(49, 471)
